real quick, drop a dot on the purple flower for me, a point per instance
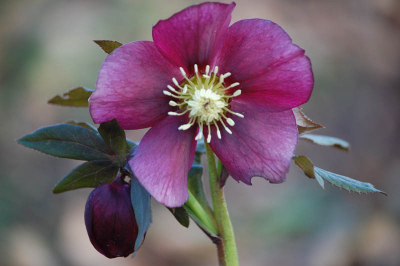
(235, 85)
(110, 219)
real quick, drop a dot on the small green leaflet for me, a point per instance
(327, 141)
(108, 46)
(114, 136)
(78, 97)
(180, 215)
(89, 174)
(339, 181)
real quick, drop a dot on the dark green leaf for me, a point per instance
(82, 124)
(339, 181)
(78, 97)
(68, 141)
(114, 136)
(140, 199)
(304, 124)
(89, 174)
(108, 46)
(180, 215)
(327, 141)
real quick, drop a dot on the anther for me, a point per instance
(226, 74)
(175, 82)
(230, 122)
(167, 93)
(171, 88)
(172, 113)
(237, 93)
(207, 69)
(209, 134)
(182, 71)
(172, 103)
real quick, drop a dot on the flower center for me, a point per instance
(205, 98)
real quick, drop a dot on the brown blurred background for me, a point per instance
(46, 48)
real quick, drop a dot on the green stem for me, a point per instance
(230, 257)
(201, 214)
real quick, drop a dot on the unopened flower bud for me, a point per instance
(110, 219)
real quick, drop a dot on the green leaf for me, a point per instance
(339, 181)
(327, 141)
(68, 141)
(114, 136)
(304, 124)
(180, 215)
(108, 46)
(82, 124)
(78, 97)
(89, 174)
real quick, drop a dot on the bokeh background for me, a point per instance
(46, 48)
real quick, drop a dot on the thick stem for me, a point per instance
(229, 252)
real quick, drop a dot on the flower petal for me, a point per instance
(163, 159)
(261, 144)
(130, 86)
(194, 35)
(274, 74)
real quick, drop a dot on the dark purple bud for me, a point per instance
(110, 219)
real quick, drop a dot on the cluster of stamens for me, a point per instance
(204, 97)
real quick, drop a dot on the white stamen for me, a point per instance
(218, 132)
(167, 93)
(172, 113)
(182, 71)
(230, 122)
(172, 103)
(237, 93)
(184, 127)
(233, 85)
(175, 82)
(185, 88)
(196, 69)
(171, 88)
(207, 69)
(215, 70)
(228, 74)
(209, 134)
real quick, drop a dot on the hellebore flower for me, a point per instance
(110, 219)
(235, 85)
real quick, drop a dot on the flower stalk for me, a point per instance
(228, 256)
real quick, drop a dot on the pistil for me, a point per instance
(205, 98)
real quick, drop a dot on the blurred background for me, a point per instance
(46, 49)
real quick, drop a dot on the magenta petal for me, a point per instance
(163, 160)
(262, 144)
(194, 35)
(274, 74)
(130, 86)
